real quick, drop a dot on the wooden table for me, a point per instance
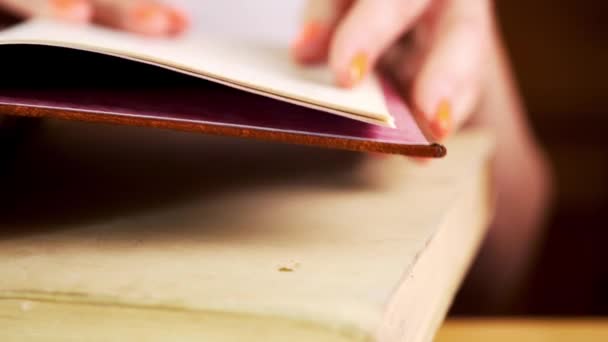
(524, 330)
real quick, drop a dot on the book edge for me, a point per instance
(395, 326)
(21, 309)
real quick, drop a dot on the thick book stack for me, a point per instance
(124, 233)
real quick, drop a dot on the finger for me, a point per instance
(367, 30)
(446, 87)
(69, 10)
(320, 19)
(402, 61)
(147, 17)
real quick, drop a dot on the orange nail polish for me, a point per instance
(310, 33)
(442, 123)
(73, 10)
(179, 21)
(309, 46)
(146, 12)
(357, 69)
(62, 4)
(150, 18)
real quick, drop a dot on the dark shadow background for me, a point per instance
(559, 49)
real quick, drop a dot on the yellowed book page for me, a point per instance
(247, 65)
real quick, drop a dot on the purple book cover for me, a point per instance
(77, 85)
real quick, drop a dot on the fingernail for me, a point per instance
(442, 123)
(179, 21)
(356, 70)
(305, 45)
(72, 10)
(149, 18)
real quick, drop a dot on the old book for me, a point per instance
(216, 86)
(122, 233)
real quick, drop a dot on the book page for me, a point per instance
(248, 65)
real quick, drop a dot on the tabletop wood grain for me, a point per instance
(524, 330)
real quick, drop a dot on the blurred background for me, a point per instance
(559, 49)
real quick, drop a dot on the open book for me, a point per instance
(235, 88)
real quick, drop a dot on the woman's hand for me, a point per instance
(448, 58)
(148, 17)
(435, 49)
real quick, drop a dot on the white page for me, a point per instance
(277, 21)
(249, 65)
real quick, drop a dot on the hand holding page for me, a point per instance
(252, 90)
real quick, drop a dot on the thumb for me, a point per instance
(69, 10)
(321, 18)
